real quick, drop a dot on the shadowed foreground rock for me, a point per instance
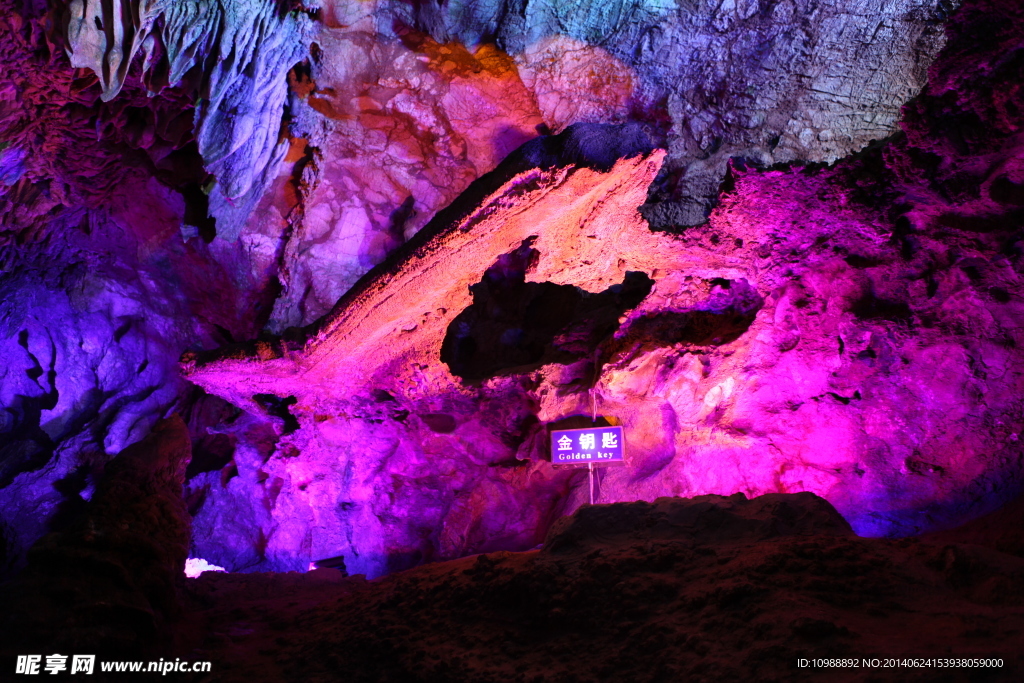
(711, 588)
(109, 584)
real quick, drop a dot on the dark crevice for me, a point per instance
(197, 211)
(723, 317)
(517, 326)
(870, 307)
(1006, 192)
(122, 330)
(225, 333)
(442, 423)
(24, 445)
(858, 261)
(211, 452)
(398, 220)
(275, 406)
(72, 506)
(514, 326)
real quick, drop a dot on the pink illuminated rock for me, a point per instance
(851, 331)
(784, 347)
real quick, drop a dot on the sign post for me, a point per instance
(590, 475)
(587, 447)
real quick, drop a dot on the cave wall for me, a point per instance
(279, 163)
(770, 81)
(439, 93)
(101, 289)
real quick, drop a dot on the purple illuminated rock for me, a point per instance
(830, 330)
(851, 331)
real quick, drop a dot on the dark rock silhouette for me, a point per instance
(711, 588)
(109, 583)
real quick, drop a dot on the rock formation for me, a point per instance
(109, 584)
(242, 49)
(338, 184)
(780, 348)
(440, 92)
(372, 252)
(725, 79)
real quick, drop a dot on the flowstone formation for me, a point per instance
(99, 293)
(394, 107)
(236, 52)
(401, 105)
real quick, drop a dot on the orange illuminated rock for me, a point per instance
(583, 222)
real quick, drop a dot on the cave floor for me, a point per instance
(627, 609)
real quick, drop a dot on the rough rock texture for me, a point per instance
(401, 105)
(388, 125)
(368, 353)
(582, 223)
(797, 79)
(713, 588)
(797, 342)
(105, 38)
(99, 292)
(896, 270)
(87, 345)
(109, 583)
(818, 334)
(807, 80)
(396, 127)
(242, 50)
(1001, 530)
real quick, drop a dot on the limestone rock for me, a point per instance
(790, 344)
(772, 82)
(851, 331)
(396, 128)
(105, 36)
(393, 124)
(91, 325)
(100, 292)
(243, 49)
(440, 106)
(583, 223)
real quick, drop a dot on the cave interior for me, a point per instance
(294, 294)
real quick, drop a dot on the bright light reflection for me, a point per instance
(194, 566)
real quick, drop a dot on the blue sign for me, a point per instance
(580, 447)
